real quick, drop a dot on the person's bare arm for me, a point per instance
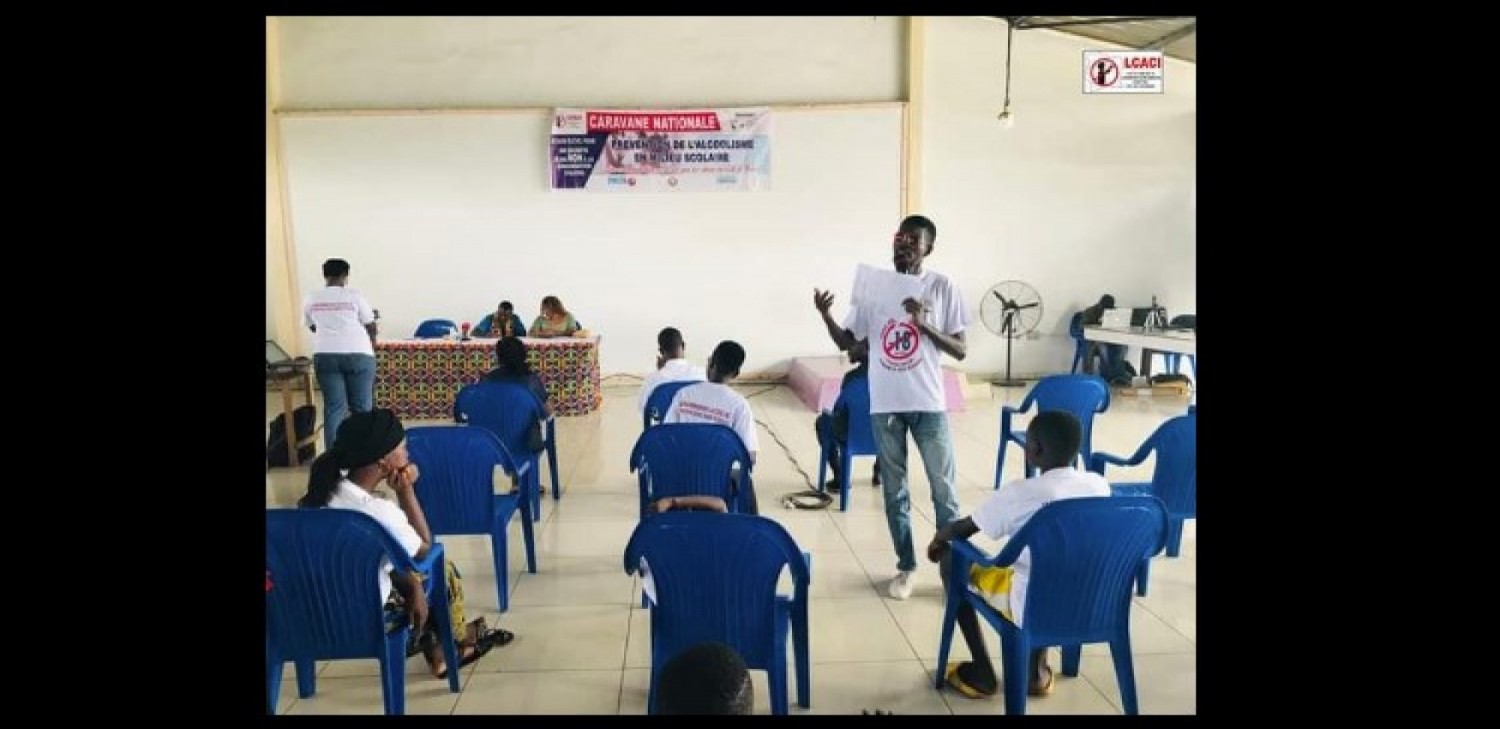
(961, 529)
(372, 328)
(409, 585)
(403, 482)
(953, 344)
(712, 503)
(823, 301)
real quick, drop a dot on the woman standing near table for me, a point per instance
(554, 321)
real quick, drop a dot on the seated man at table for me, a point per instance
(714, 402)
(1094, 316)
(502, 323)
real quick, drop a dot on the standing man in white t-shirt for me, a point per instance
(714, 402)
(906, 386)
(671, 365)
(343, 326)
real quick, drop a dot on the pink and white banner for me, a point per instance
(611, 150)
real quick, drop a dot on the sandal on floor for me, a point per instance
(496, 637)
(475, 653)
(1044, 688)
(962, 687)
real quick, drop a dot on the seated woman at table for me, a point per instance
(554, 321)
(502, 323)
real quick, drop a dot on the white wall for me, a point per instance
(442, 216)
(1087, 194)
(568, 61)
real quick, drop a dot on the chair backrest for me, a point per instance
(1175, 480)
(457, 485)
(1075, 326)
(506, 409)
(660, 400)
(689, 459)
(1085, 554)
(325, 600)
(855, 398)
(434, 329)
(1081, 395)
(716, 578)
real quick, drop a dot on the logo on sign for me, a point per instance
(1123, 72)
(672, 181)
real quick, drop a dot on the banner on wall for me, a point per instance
(641, 150)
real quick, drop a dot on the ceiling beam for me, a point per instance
(1170, 38)
(1099, 21)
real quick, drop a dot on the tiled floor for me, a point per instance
(582, 639)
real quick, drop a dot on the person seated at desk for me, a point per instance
(1094, 316)
(554, 321)
(502, 323)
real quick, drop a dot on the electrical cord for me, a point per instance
(810, 500)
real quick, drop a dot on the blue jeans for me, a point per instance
(930, 431)
(348, 383)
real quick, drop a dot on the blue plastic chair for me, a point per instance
(457, 491)
(715, 577)
(660, 400)
(691, 459)
(856, 399)
(508, 409)
(1084, 556)
(325, 601)
(1081, 395)
(434, 329)
(1175, 480)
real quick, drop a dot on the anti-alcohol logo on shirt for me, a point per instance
(899, 343)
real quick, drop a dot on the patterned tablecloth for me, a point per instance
(419, 378)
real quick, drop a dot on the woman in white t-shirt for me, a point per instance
(343, 326)
(371, 448)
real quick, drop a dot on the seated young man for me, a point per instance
(670, 365)
(834, 425)
(714, 402)
(708, 678)
(502, 323)
(1052, 441)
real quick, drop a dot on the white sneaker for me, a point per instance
(902, 584)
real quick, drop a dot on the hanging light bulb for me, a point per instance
(1007, 119)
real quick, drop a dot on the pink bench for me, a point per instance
(816, 381)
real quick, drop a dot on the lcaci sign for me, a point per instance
(1123, 72)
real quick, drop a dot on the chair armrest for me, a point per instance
(426, 564)
(1099, 458)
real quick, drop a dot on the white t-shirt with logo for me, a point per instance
(340, 314)
(675, 370)
(1007, 510)
(712, 402)
(390, 516)
(906, 375)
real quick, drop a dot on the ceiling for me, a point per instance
(1175, 36)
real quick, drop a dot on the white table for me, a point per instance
(1176, 341)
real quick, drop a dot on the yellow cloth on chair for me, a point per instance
(993, 583)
